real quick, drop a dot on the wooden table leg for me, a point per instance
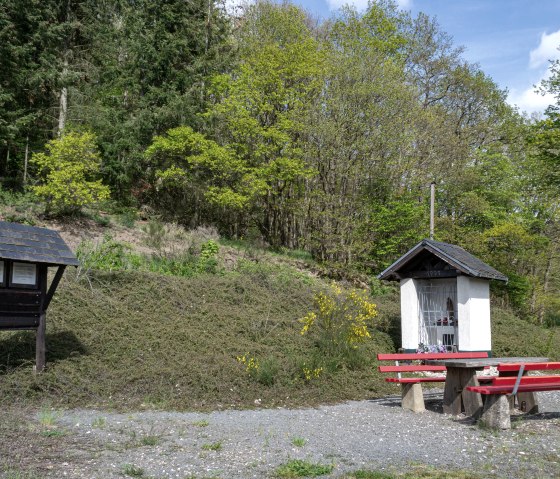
(452, 392)
(471, 400)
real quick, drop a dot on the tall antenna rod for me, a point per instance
(432, 208)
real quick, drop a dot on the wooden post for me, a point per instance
(40, 344)
(40, 339)
(432, 208)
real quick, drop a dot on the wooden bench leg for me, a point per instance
(412, 397)
(496, 412)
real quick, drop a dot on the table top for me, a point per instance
(482, 362)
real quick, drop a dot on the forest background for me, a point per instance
(268, 124)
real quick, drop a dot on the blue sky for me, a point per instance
(511, 40)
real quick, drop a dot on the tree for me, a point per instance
(259, 109)
(193, 175)
(150, 64)
(68, 171)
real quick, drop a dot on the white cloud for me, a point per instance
(547, 50)
(336, 4)
(530, 101)
(362, 4)
(404, 4)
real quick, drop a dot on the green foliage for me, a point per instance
(214, 446)
(189, 168)
(132, 471)
(512, 336)
(298, 441)
(300, 468)
(155, 233)
(68, 170)
(107, 255)
(263, 372)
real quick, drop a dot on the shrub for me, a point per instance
(68, 171)
(340, 319)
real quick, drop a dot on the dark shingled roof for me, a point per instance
(38, 245)
(454, 255)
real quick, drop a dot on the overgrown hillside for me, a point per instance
(146, 340)
(133, 340)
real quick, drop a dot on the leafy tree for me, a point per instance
(68, 170)
(193, 174)
(259, 108)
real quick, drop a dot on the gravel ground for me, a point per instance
(372, 435)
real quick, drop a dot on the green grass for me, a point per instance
(132, 471)
(201, 423)
(214, 446)
(299, 441)
(416, 472)
(99, 423)
(300, 468)
(135, 340)
(150, 440)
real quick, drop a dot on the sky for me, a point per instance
(511, 40)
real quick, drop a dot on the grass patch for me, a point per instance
(99, 423)
(417, 472)
(149, 440)
(201, 423)
(300, 468)
(132, 470)
(48, 417)
(299, 441)
(214, 446)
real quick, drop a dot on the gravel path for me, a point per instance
(372, 435)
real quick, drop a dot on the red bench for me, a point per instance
(504, 388)
(412, 395)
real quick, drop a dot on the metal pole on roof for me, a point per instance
(432, 208)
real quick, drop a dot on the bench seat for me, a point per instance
(425, 379)
(412, 394)
(522, 388)
(504, 388)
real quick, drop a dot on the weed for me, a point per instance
(132, 471)
(299, 441)
(300, 468)
(98, 423)
(264, 372)
(214, 446)
(149, 440)
(48, 417)
(201, 423)
(128, 217)
(52, 433)
(362, 474)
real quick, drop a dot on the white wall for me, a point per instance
(409, 314)
(473, 297)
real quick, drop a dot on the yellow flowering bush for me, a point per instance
(340, 319)
(342, 315)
